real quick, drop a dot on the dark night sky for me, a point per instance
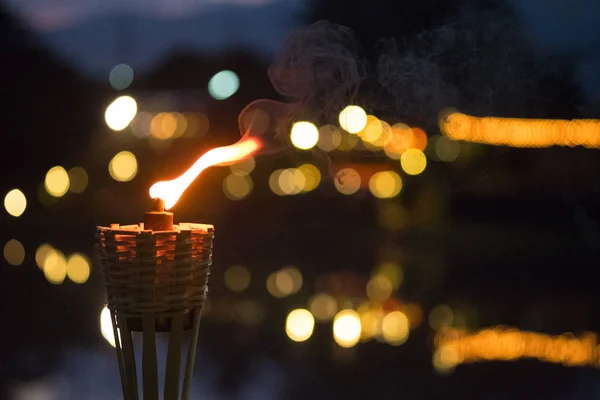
(153, 28)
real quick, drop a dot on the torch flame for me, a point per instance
(171, 191)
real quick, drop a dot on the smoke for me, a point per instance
(319, 67)
(479, 62)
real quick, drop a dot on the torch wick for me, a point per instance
(159, 205)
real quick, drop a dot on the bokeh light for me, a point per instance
(295, 275)
(413, 161)
(379, 288)
(237, 187)
(371, 315)
(330, 138)
(446, 150)
(299, 325)
(42, 252)
(392, 271)
(223, 85)
(346, 328)
(57, 181)
(445, 360)
(15, 203)
(419, 139)
(78, 179)
(304, 135)
(395, 328)
(373, 130)
(322, 306)
(273, 286)
(291, 181)
(106, 327)
(121, 76)
(312, 177)
(78, 268)
(55, 267)
(120, 113)
(385, 184)
(349, 142)
(274, 182)
(163, 126)
(123, 166)
(14, 252)
(284, 282)
(237, 278)
(347, 181)
(353, 119)
(243, 167)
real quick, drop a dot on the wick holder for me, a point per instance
(156, 281)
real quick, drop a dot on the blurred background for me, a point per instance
(338, 263)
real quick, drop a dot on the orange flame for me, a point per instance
(171, 191)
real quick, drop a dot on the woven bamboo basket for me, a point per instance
(156, 281)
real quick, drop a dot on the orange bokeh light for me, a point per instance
(171, 191)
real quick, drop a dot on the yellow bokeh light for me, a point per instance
(353, 119)
(312, 177)
(166, 126)
(181, 125)
(379, 288)
(14, 252)
(322, 306)
(57, 181)
(78, 268)
(372, 131)
(447, 150)
(440, 316)
(120, 113)
(274, 182)
(394, 328)
(291, 181)
(41, 253)
(413, 161)
(370, 320)
(304, 135)
(106, 327)
(347, 181)
(123, 166)
(349, 142)
(445, 360)
(55, 267)
(237, 187)
(385, 184)
(520, 132)
(237, 278)
(15, 203)
(393, 272)
(243, 167)
(78, 179)
(330, 138)
(347, 328)
(273, 287)
(284, 283)
(296, 277)
(299, 325)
